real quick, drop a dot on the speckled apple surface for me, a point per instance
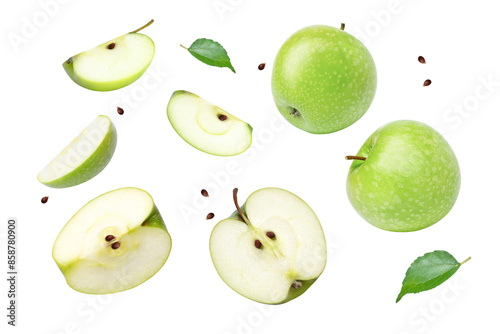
(327, 76)
(410, 179)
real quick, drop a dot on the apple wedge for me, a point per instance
(114, 64)
(272, 249)
(114, 243)
(207, 127)
(85, 157)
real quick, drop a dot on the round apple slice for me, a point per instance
(114, 243)
(206, 126)
(272, 249)
(85, 157)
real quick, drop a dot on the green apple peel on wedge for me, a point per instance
(85, 157)
(114, 64)
(272, 249)
(323, 79)
(404, 178)
(207, 127)
(114, 243)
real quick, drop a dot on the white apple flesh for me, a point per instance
(114, 64)
(292, 252)
(206, 126)
(85, 157)
(114, 243)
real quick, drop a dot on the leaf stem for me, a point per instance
(242, 215)
(144, 26)
(355, 157)
(467, 259)
(184, 47)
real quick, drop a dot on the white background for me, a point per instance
(42, 110)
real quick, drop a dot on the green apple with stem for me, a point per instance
(114, 243)
(323, 79)
(272, 249)
(207, 127)
(85, 157)
(404, 178)
(114, 64)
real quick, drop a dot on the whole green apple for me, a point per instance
(404, 178)
(323, 79)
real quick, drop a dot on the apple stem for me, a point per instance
(143, 27)
(465, 260)
(355, 157)
(342, 26)
(242, 215)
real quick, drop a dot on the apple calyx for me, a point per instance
(342, 26)
(295, 113)
(143, 27)
(355, 157)
(70, 60)
(296, 284)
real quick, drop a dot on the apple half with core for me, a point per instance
(323, 79)
(404, 178)
(114, 243)
(85, 157)
(272, 249)
(207, 127)
(114, 64)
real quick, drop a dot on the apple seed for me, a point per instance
(222, 117)
(45, 199)
(120, 110)
(421, 60)
(204, 193)
(258, 244)
(210, 215)
(262, 66)
(111, 46)
(296, 284)
(116, 245)
(427, 82)
(270, 235)
(110, 237)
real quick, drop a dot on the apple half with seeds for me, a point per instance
(114, 243)
(272, 249)
(207, 127)
(85, 157)
(114, 64)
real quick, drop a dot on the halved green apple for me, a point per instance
(272, 249)
(85, 157)
(114, 243)
(206, 126)
(114, 64)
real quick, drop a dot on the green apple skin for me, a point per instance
(323, 79)
(93, 165)
(153, 220)
(104, 86)
(409, 181)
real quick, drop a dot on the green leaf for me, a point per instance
(429, 271)
(210, 52)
